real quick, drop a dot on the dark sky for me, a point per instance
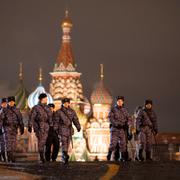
(138, 42)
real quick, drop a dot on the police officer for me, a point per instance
(2, 137)
(41, 121)
(66, 116)
(146, 125)
(11, 119)
(119, 123)
(52, 140)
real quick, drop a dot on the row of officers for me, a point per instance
(54, 127)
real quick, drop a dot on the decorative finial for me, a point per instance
(102, 71)
(66, 13)
(40, 76)
(20, 71)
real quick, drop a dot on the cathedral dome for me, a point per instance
(33, 98)
(21, 97)
(100, 94)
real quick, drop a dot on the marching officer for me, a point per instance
(2, 137)
(52, 140)
(146, 126)
(11, 121)
(119, 124)
(66, 116)
(41, 121)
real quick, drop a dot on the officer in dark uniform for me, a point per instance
(120, 120)
(66, 116)
(11, 120)
(41, 121)
(146, 127)
(52, 140)
(2, 136)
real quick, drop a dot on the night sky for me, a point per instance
(137, 41)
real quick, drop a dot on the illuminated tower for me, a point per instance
(66, 84)
(65, 79)
(98, 132)
(21, 94)
(101, 99)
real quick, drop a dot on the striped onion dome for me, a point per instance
(33, 98)
(21, 94)
(21, 97)
(100, 94)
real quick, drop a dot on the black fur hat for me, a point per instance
(51, 105)
(3, 100)
(120, 97)
(66, 100)
(11, 98)
(148, 101)
(42, 95)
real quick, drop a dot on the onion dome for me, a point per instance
(33, 97)
(21, 94)
(67, 21)
(100, 94)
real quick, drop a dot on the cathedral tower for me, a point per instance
(65, 79)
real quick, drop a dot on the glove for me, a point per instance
(30, 129)
(1, 132)
(22, 130)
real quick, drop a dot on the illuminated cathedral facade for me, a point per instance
(93, 140)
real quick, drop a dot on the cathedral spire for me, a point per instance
(65, 79)
(21, 93)
(102, 71)
(65, 59)
(40, 78)
(20, 71)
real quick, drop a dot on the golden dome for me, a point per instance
(67, 21)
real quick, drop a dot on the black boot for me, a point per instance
(126, 154)
(123, 156)
(12, 157)
(141, 158)
(42, 159)
(65, 157)
(148, 156)
(9, 156)
(109, 155)
(3, 156)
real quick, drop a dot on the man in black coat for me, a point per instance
(52, 140)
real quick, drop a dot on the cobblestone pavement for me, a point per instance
(92, 170)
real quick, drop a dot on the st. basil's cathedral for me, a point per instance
(92, 142)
